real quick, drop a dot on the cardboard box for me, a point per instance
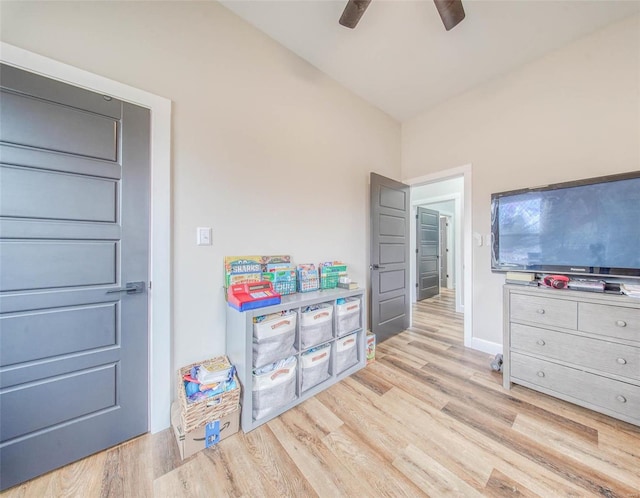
(205, 436)
(371, 347)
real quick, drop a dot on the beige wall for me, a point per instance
(275, 156)
(572, 114)
(268, 151)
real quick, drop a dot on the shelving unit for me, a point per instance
(240, 333)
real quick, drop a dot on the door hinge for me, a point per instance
(416, 285)
(149, 284)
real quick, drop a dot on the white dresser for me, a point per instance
(581, 347)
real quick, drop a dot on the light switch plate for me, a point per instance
(203, 236)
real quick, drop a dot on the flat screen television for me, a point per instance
(585, 227)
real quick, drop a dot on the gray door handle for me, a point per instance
(376, 267)
(130, 288)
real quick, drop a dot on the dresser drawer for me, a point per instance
(544, 310)
(611, 395)
(596, 354)
(612, 321)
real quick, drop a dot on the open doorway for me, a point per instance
(448, 193)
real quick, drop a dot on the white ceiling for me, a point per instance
(401, 59)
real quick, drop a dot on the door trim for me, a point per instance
(450, 254)
(465, 172)
(160, 301)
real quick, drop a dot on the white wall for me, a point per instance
(443, 189)
(268, 151)
(445, 208)
(275, 156)
(572, 114)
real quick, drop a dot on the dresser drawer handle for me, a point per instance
(621, 398)
(622, 361)
(621, 323)
(540, 342)
(540, 373)
(540, 311)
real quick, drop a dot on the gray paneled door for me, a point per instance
(74, 223)
(427, 253)
(390, 282)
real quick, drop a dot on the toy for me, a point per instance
(191, 388)
(308, 277)
(556, 281)
(253, 295)
(496, 363)
(241, 269)
(222, 374)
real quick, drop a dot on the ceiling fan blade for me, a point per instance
(353, 12)
(451, 12)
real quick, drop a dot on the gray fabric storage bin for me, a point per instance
(314, 366)
(346, 352)
(348, 315)
(273, 386)
(273, 339)
(316, 326)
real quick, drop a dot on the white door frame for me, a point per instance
(465, 172)
(452, 255)
(160, 302)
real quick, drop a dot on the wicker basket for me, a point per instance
(208, 409)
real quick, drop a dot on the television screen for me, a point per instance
(584, 227)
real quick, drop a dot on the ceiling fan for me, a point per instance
(451, 12)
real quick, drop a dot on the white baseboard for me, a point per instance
(486, 346)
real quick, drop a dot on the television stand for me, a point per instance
(582, 347)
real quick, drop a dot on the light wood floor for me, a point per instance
(429, 417)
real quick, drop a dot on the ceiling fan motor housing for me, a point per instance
(451, 12)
